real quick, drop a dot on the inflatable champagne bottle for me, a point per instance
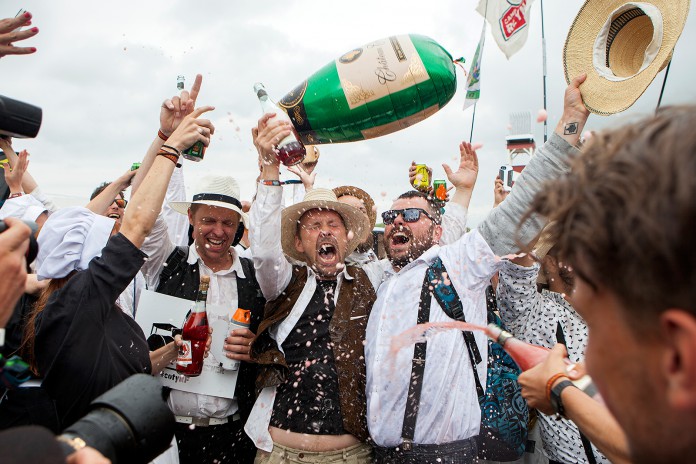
(374, 90)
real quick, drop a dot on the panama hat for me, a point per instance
(621, 46)
(321, 198)
(220, 191)
(362, 195)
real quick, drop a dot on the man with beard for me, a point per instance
(312, 403)
(442, 425)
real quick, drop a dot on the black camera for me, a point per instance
(131, 423)
(19, 119)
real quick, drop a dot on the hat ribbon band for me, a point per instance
(217, 197)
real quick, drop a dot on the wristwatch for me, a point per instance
(556, 402)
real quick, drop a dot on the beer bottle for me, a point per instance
(290, 150)
(194, 335)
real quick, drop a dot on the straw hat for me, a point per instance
(220, 191)
(362, 195)
(320, 198)
(621, 46)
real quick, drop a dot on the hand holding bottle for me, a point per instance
(534, 381)
(175, 109)
(192, 129)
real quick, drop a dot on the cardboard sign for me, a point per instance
(156, 311)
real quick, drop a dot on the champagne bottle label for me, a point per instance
(382, 87)
(185, 354)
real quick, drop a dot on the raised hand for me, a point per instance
(191, 129)
(9, 35)
(307, 178)
(269, 132)
(499, 192)
(413, 177)
(465, 176)
(175, 109)
(15, 174)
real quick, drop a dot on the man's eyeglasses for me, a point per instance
(409, 215)
(120, 202)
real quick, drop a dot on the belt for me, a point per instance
(206, 421)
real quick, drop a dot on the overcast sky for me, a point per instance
(102, 70)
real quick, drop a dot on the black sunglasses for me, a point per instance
(409, 215)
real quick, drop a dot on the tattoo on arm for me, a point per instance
(571, 128)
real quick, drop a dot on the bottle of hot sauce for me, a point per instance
(194, 335)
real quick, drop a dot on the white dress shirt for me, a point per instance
(449, 408)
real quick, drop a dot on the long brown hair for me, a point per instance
(29, 336)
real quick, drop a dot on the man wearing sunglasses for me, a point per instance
(443, 425)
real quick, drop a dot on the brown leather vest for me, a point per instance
(347, 330)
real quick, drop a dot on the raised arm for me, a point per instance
(147, 201)
(100, 204)
(500, 228)
(273, 271)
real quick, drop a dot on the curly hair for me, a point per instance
(625, 215)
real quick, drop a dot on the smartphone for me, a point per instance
(506, 173)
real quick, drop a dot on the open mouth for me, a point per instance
(327, 252)
(214, 243)
(114, 216)
(399, 238)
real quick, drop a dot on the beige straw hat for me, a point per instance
(362, 195)
(621, 46)
(321, 198)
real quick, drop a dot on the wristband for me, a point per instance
(15, 195)
(556, 401)
(292, 181)
(161, 135)
(551, 381)
(274, 183)
(178, 153)
(170, 156)
(76, 443)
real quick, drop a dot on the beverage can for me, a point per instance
(422, 180)
(194, 153)
(135, 166)
(440, 188)
(240, 320)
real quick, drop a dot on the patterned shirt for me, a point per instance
(533, 317)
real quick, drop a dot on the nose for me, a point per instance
(399, 220)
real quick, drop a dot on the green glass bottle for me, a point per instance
(382, 87)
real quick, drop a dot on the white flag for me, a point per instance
(509, 20)
(473, 82)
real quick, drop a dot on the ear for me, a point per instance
(190, 216)
(679, 359)
(437, 233)
(298, 245)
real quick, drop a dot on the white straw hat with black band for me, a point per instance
(220, 191)
(621, 46)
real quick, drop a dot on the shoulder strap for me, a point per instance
(586, 444)
(415, 385)
(448, 298)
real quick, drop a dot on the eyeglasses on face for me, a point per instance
(121, 202)
(409, 215)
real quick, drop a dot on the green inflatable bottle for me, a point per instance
(379, 88)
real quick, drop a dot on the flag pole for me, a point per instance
(473, 119)
(543, 51)
(662, 91)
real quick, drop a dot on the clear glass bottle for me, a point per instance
(290, 150)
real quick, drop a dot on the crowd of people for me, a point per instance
(589, 255)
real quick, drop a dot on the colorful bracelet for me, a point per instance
(274, 183)
(161, 135)
(551, 381)
(178, 153)
(170, 156)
